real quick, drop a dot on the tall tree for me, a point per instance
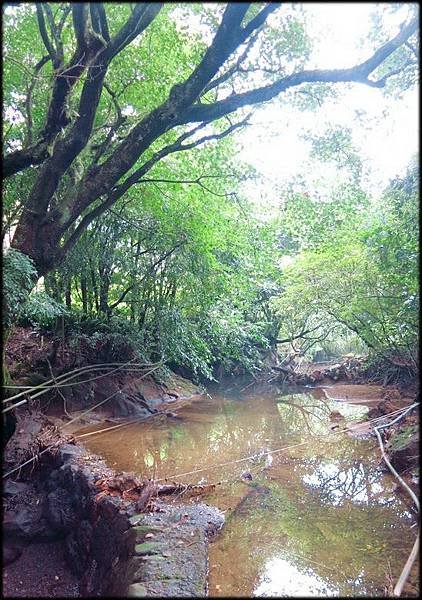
(80, 161)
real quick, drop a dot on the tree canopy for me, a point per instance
(87, 61)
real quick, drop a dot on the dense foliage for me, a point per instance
(356, 268)
(124, 190)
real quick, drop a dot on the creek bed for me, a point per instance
(309, 513)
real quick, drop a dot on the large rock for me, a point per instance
(62, 510)
(27, 522)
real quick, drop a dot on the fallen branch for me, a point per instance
(414, 553)
(186, 488)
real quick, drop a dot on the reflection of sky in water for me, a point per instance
(339, 484)
(281, 578)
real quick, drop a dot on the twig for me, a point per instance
(58, 390)
(413, 554)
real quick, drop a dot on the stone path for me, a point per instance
(171, 551)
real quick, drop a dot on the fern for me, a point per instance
(41, 310)
(19, 277)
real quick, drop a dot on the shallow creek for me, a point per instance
(319, 518)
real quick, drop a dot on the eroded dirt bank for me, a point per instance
(71, 525)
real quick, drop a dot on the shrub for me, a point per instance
(41, 311)
(19, 276)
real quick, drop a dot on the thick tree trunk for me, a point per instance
(84, 293)
(68, 294)
(39, 240)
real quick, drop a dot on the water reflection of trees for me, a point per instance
(305, 413)
(302, 412)
(347, 544)
(352, 482)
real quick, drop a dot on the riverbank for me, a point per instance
(99, 523)
(158, 566)
(42, 510)
(39, 518)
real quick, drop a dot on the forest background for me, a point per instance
(133, 213)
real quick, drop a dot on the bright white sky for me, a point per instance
(273, 145)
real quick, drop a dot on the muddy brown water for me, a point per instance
(319, 516)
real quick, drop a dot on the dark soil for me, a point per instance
(40, 571)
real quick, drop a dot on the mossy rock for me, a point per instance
(148, 548)
(403, 438)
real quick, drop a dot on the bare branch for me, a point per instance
(121, 297)
(120, 120)
(236, 67)
(260, 18)
(141, 17)
(380, 83)
(44, 35)
(55, 32)
(65, 12)
(28, 100)
(295, 337)
(358, 74)
(412, 49)
(197, 181)
(103, 21)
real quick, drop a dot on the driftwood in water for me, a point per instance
(131, 488)
(183, 488)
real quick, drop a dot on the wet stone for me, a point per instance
(149, 548)
(137, 590)
(69, 451)
(25, 523)
(171, 588)
(142, 530)
(61, 511)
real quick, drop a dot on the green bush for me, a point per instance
(41, 311)
(19, 276)
(199, 343)
(101, 340)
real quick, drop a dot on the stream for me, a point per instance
(319, 518)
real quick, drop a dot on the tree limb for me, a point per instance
(178, 109)
(28, 100)
(44, 35)
(295, 337)
(225, 76)
(55, 32)
(103, 21)
(141, 17)
(358, 74)
(136, 177)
